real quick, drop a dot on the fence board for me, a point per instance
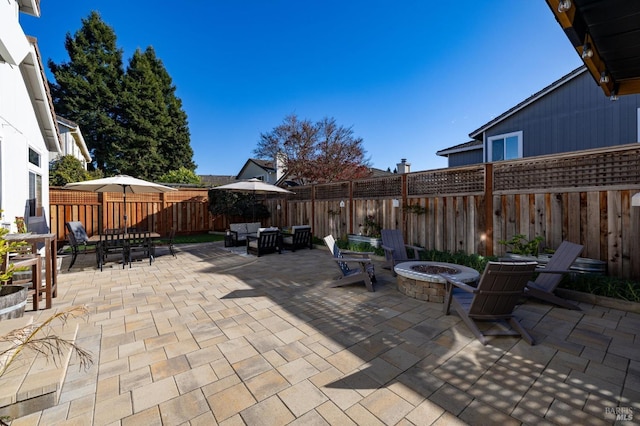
(592, 242)
(555, 220)
(573, 217)
(614, 240)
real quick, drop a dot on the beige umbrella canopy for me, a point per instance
(253, 186)
(119, 183)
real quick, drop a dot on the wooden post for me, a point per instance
(351, 208)
(488, 208)
(405, 201)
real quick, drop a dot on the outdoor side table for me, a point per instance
(228, 239)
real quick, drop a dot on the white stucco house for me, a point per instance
(28, 128)
(71, 142)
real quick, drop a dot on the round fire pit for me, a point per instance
(422, 280)
(434, 269)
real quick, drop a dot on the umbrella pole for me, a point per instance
(124, 193)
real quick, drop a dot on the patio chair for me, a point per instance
(77, 236)
(545, 284)
(395, 250)
(112, 244)
(299, 237)
(170, 242)
(364, 271)
(140, 242)
(500, 288)
(267, 241)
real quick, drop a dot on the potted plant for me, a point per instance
(521, 248)
(369, 233)
(13, 298)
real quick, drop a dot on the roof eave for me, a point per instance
(448, 151)
(30, 7)
(553, 86)
(38, 89)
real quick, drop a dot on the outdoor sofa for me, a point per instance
(238, 232)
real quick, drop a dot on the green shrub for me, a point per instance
(361, 247)
(602, 285)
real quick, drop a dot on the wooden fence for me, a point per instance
(187, 210)
(584, 197)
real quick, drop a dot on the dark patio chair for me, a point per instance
(267, 241)
(395, 250)
(77, 236)
(112, 244)
(170, 241)
(500, 288)
(364, 271)
(544, 286)
(299, 237)
(140, 242)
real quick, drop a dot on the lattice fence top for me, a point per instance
(328, 191)
(63, 196)
(378, 187)
(301, 193)
(617, 168)
(441, 182)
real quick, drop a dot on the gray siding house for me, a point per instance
(571, 114)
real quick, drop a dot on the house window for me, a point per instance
(504, 147)
(35, 194)
(34, 157)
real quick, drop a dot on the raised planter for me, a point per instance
(13, 299)
(357, 239)
(581, 265)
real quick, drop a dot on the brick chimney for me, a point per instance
(403, 166)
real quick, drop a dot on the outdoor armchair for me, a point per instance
(299, 237)
(267, 241)
(500, 288)
(395, 250)
(544, 286)
(363, 272)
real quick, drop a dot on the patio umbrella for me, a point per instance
(253, 186)
(119, 183)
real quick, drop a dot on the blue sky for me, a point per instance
(410, 77)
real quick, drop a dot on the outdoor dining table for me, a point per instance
(99, 238)
(51, 259)
(96, 238)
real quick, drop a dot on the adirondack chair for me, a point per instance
(395, 250)
(364, 271)
(545, 284)
(500, 287)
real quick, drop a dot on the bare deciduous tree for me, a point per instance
(315, 152)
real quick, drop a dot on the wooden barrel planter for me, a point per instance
(13, 299)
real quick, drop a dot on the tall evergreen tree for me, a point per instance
(157, 130)
(133, 122)
(88, 87)
(175, 146)
(144, 117)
